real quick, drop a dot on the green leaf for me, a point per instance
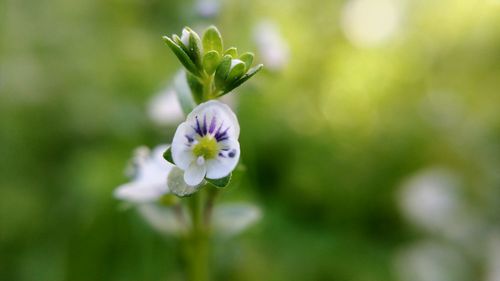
(196, 87)
(212, 40)
(243, 79)
(219, 183)
(179, 42)
(177, 185)
(233, 52)
(222, 71)
(181, 55)
(167, 155)
(247, 58)
(184, 92)
(237, 70)
(194, 47)
(211, 61)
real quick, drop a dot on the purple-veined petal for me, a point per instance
(225, 162)
(182, 146)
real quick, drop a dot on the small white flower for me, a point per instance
(164, 108)
(234, 62)
(431, 260)
(185, 37)
(233, 218)
(206, 144)
(163, 220)
(150, 177)
(272, 47)
(368, 23)
(431, 199)
(208, 8)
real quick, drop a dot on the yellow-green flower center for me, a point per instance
(206, 147)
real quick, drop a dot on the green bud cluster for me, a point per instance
(211, 71)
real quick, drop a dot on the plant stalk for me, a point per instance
(197, 247)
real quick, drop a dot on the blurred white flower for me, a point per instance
(206, 144)
(431, 199)
(233, 218)
(185, 37)
(271, 46)
(164, 220)
(150, 173)
(431, 261)
(369, 23)
(228, 219)
(493, 258)
(164, 108)
(207, 8)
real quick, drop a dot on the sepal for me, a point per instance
(181, 54)
(220, 183)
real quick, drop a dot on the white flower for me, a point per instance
(164, 108)
(150, 177)
(233, 218)
(430, 260)
(273, 49)
(163, 220)
(235, 62)
(185, 37)
(368, 23)
(206, 144)
(431, 199)
(493, 256)
(208, 8)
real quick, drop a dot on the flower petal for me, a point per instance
(150, 177)
(224, 164)
(233, 218)
(221, 112)
(163, 220)
(178, 185)
(137, 192)
(194, 174)
(181, 148)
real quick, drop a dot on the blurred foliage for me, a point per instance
(326, 142)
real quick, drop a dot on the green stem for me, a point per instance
(197, 248)
(197, 251)
(209, 205)
(207, 88)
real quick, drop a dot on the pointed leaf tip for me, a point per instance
(243, 79)
(220, 183)
(181, 55)
(167, 155)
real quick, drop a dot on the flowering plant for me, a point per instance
(177, 194)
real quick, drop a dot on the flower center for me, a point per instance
(206, 147)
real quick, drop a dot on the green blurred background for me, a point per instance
(369, 96)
